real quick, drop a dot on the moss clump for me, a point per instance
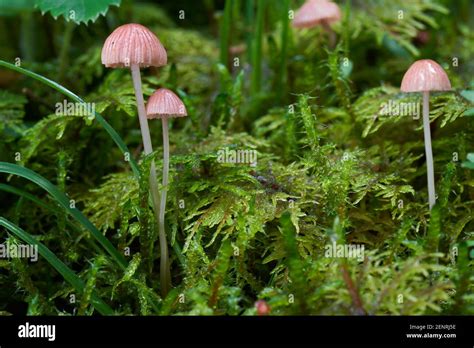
(322, 168)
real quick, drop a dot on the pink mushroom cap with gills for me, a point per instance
(425, 75)
(133, 44)
(316, 12)
(165, 103)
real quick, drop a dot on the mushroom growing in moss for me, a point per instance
(314, 13)
(424, 76)
(164, 104)
(134, 46)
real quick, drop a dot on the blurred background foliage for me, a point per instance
(329, 167)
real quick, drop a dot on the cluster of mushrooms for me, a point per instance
(423, 76)
(134, 46)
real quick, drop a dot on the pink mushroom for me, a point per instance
(318, 12)
(424, 76)
(164, 104)
(134, 46)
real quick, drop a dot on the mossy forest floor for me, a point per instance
(326, 213)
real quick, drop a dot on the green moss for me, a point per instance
(330, 168)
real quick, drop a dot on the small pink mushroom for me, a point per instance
(134, 46)
(424, 76)
(164, 104)
(318, 12)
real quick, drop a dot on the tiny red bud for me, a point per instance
(262, 307)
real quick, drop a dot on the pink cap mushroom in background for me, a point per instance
(425, 75)
(133, 44)
(165, 103)
(316, 12)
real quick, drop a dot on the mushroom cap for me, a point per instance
(133, 44)
(425, 75)
(316, 12)
(165, 103)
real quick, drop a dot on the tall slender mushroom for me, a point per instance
(134, 46)
(318, 12)
(424, 76)
(164, 104)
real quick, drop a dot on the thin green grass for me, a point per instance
(64, 201)
(225, 33)
(282, 75)
(248, 21)
(257, 48)
(58, 265)
(63, 90)
(34, 199)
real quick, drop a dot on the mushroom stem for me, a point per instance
(137, 84)
(164, 267)
(331, 34)
(428, 150)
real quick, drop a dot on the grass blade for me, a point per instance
(248, 20)
(257, 48)
(63, 90)
(225, 33)
(21, 193)
(64, 201)
(282, 76)
(58, 265)
(29, 196)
